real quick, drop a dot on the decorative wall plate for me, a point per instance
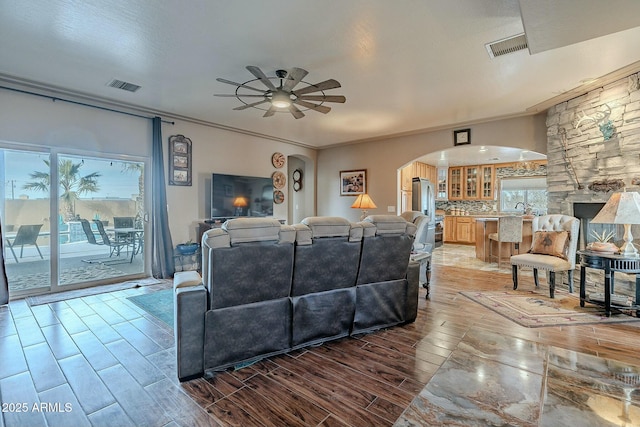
(278, 197)
(297, 180)
(278, 160)
(279, 179)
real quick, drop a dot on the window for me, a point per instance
(520, 194)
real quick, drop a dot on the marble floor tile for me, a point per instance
(497, 380)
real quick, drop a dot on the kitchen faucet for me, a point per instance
(520, 203)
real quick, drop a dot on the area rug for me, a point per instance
(159, 304)
(535, 309)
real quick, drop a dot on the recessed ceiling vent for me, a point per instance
(508, 45)
(119, 84)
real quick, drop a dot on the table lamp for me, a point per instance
(239, 203)
(363, 202)
(622, 208)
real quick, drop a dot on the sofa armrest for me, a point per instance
(413, 286)
(189, 308)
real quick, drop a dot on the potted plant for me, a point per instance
(187, 248)
(602, 243)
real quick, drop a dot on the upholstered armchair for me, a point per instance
(421, 221)
(553, 248)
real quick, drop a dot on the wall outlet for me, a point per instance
(391, 208)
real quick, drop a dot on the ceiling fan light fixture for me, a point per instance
(280, 99)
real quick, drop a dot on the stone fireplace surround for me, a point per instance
(578, 154)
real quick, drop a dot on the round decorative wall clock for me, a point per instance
(278, 160)
(278, 197)
(279, 179)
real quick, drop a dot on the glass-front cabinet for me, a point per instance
(487, 178)
(442, 189)
(471, 182)
(455, 183)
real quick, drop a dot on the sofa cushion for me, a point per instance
(184, 279)
(552, 243)
(327, 226)
(391, 224)
(242, 230)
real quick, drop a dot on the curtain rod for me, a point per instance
(54, 99)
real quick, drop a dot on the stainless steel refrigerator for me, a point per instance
(423, 199)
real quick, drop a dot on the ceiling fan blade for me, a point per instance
(244, 107)
(320, 108)
(293, 78)
(270, 112)
(235, 96)
(324, 98)
(296, 113)
(221, 80)
(260, 75)
(325, 85)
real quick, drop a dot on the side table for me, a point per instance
(424, 259)
(187, 262)
(610, 263)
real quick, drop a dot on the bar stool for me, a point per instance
(509, 230)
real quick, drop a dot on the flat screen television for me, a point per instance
(235, 196)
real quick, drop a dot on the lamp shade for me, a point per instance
(363, 202)
(622, 208)
(240, 202)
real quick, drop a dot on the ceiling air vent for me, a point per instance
(508, 45)
(119, 84)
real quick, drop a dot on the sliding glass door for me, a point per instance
(88, 229)
(25, 222)
(101, 219)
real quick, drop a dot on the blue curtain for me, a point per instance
(162, 265)
(4, 283)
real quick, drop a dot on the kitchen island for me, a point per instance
(487, 225)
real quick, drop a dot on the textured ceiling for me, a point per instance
(404, 65)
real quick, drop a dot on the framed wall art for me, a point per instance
(462, 137)
(353, 183)
(180, 154)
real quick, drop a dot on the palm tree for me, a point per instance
(73, 185)
(137, 168)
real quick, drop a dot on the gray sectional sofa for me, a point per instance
(268, 288)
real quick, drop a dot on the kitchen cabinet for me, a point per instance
(406, 175)
(455, 183)
(487, 182)
(449, 229)
(471, 182)
(459, 229)
(416, 169)
(442, 191)
(465, 231)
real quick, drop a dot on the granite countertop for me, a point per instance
(487, 216)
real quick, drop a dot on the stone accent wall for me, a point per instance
(578, 154)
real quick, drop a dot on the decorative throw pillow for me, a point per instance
(553, 243)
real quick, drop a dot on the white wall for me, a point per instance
(28, 119)
(384, 157)
(34, 120)
(222, 151)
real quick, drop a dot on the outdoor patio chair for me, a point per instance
(115, 245)
(26, 235)
(91, 238)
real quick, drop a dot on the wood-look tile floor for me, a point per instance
(102, 361)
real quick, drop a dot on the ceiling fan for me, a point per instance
(282, 98)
